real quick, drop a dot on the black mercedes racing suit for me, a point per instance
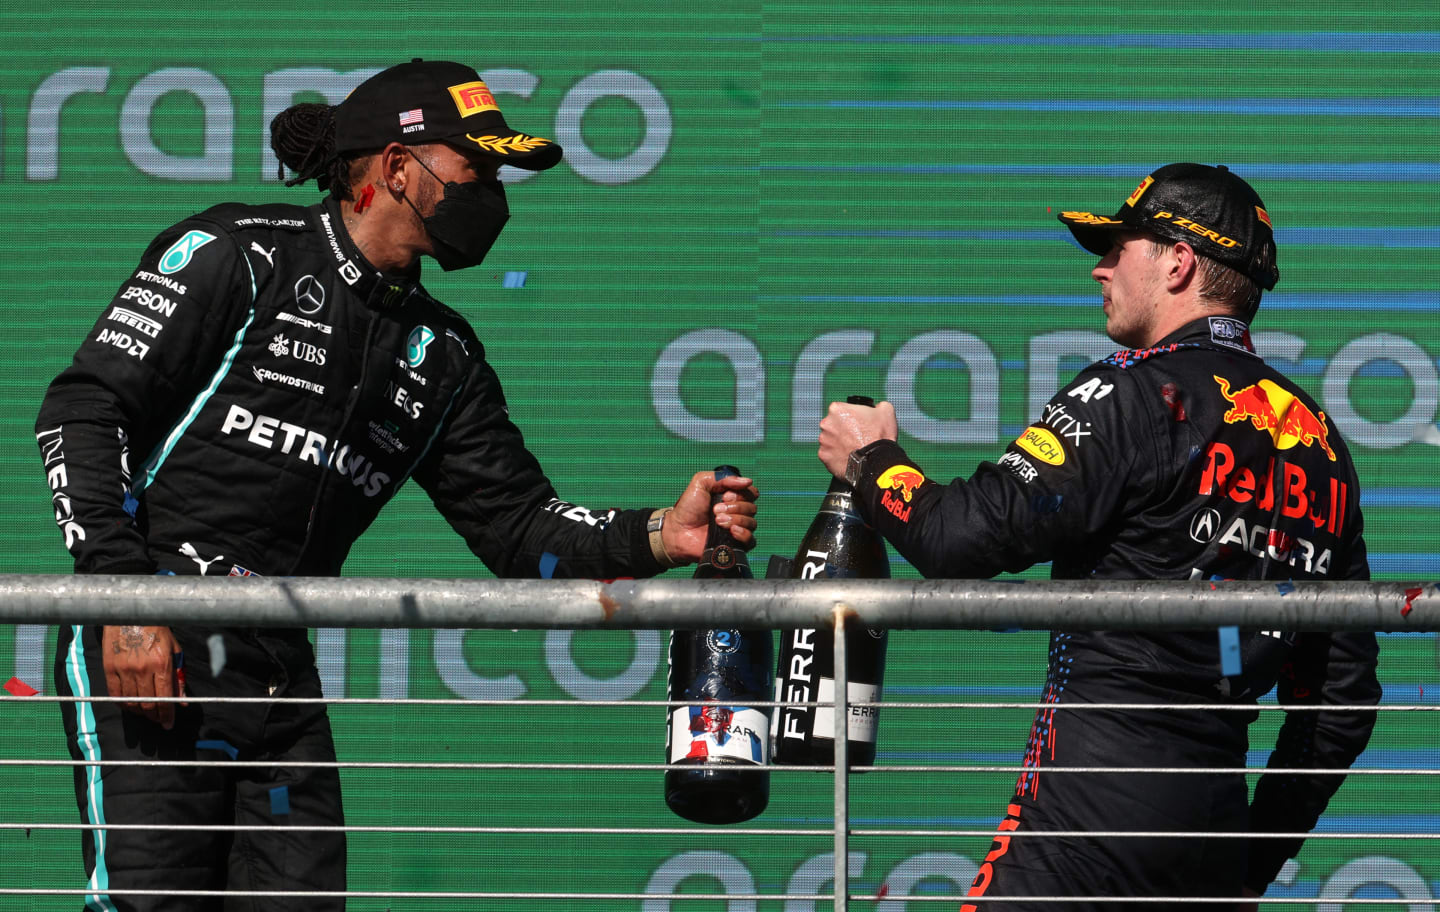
(1192, 460)
(250, 399)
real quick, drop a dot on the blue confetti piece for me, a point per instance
(131, 506)
(280, 800)
(1229, 651)
(515, 279)
(223, 746)
(1285, 588)
(548, 562)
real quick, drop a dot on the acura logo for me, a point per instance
(309, 294)
(1205, 526)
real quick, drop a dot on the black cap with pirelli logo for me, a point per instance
(1210, 208)
(426, 101)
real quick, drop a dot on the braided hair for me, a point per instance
(303, 139)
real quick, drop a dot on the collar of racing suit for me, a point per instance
(380, 291)
(1228, 332)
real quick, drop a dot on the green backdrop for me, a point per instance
(764, 206)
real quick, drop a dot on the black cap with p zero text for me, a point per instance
(427, 101)
(1210, 208)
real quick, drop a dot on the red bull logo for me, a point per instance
(904, 479)
(1270, 408)
(1323, 503)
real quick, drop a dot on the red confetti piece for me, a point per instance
(1410, 596)
(19, 688)
(883, 892)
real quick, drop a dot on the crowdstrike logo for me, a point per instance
(264, 374)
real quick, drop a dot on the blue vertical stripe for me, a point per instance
(88, 739)
(157, 459)
(433, 435)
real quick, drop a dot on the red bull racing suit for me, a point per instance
(1189, 460)
(253, 395)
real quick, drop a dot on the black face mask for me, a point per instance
(466, 221)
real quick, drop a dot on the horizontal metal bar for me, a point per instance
(713, 897)
(887, 704)
(698, 831)
(691, 604)
(774, 768)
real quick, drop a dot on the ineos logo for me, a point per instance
(309, 294)
(1205, 525)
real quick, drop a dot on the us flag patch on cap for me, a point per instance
(411, 117)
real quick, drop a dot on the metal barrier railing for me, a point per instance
(703, 604)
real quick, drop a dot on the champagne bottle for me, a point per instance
(725, 737)
(839, 544)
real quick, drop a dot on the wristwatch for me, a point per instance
(653, 526)
(855, 466)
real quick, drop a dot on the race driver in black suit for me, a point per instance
(1181, 457)
(261, 385)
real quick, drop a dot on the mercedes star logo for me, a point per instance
(309, 294)
(1205, 526)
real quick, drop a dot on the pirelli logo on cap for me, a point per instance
(1264, 217)
(1134, 198)
(473, 98)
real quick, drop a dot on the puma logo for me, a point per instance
(189, 551)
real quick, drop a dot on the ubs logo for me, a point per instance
(309, 294)
(1205, 525)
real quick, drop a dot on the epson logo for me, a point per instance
(149, 299)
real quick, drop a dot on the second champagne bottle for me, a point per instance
(838, 544)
